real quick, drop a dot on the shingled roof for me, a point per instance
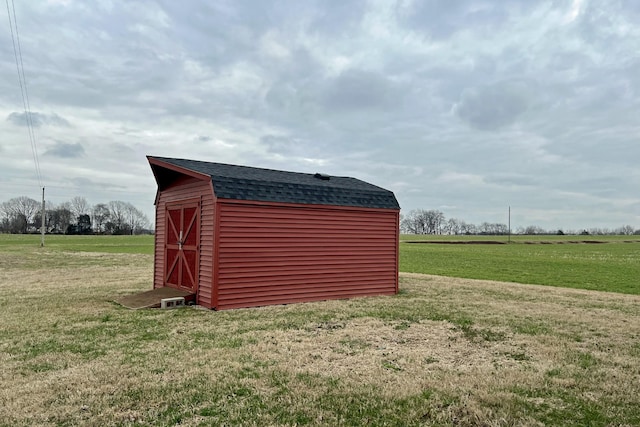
(249, 183)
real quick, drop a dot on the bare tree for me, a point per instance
(20, 212)
(484, 228)
(468, 229)
(5, 210)
(533, 229)
(453, 226)
(500, 229)
(415, 222)
(37, 217)
(138, 221)
(79, 206)
(408, 223)
(60, 217)
(5, 217)
(118, 215)
(626, 230)
(420, 221)
(100, 217)
(433, 221)
(124, 218)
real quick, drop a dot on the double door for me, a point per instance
(182, 245)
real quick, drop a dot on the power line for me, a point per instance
(17, 52)
(26, 93)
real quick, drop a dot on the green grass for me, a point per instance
(108, 244)
(613, 266)
(518, 238)
(441, 353)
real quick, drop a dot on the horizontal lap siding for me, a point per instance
(189, 190)
(276, 255)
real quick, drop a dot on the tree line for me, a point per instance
(422, 221)
(77, 216)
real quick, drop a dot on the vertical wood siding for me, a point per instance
(188, 189)
(275, 255)
(206, 283)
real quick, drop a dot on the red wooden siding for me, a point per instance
(285, 254)
(188, 190)
(207, 226)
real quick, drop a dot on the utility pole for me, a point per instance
(509, 224)
(42, 224)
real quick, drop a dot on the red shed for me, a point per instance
(240, 236)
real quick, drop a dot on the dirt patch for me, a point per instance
(392, 356)
(152, 298)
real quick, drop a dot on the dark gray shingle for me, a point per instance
(248, 183)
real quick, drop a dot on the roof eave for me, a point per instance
(156, 163)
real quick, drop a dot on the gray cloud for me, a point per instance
(293, 147)
(440, 19)
(279, 144)
(530, 103)
(65, 150)
(494, 106)
(352, 99)
(331, 16)
(355, 90)
(512, 179)
(37, 119)
(83, 182)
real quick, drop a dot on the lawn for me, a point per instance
(517, 238)
(60, 243)
(443, 352)
(612, 265)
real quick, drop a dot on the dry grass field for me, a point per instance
(444, 352)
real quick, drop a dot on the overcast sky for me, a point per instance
(467, 107)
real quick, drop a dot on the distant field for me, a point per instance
(612, 265)
(518, 238)
(444, 352)
(107, 244)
